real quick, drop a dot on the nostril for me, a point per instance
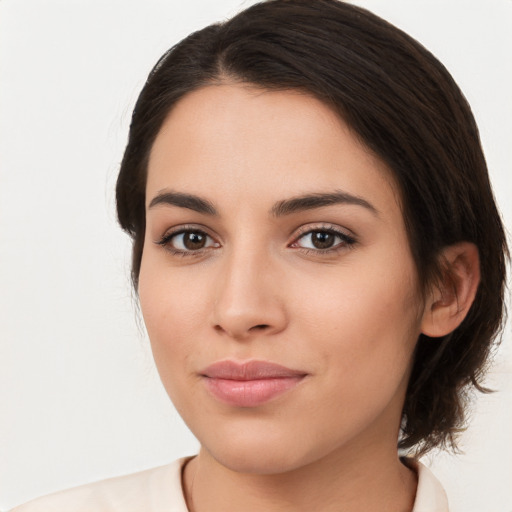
(260, 327)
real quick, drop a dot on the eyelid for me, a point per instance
(323, 226)
(184, 228)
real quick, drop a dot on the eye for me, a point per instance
(323, 240)
(187, 241)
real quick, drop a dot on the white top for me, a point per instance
(159, 490)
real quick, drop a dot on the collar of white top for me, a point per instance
(430, 495)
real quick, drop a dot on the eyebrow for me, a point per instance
(182, 200)
(318, 200)
(280, 209)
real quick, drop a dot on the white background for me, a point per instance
(79, 396)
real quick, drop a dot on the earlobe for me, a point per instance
(451, 297)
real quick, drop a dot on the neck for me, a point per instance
(371, 480)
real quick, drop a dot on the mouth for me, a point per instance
(251, 383)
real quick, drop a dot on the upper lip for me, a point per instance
(249, 370)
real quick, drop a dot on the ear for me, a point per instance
(450, 299)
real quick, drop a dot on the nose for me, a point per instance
(249, 300)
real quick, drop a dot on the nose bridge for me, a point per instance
(247, 298)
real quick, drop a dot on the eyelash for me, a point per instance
(347, 241)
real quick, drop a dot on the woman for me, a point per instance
(319, 261)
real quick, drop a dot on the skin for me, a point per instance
(260, 289)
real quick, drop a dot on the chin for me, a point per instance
(262, 451)
(257, 462)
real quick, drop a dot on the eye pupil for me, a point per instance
(322, 239)
(194, 241)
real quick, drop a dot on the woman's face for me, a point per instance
(277, 284)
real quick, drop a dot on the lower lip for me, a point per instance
(250, 393)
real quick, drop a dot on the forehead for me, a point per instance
(238, 140)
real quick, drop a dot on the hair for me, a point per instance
(405, 107)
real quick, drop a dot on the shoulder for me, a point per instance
(152, 490)
(430, 495)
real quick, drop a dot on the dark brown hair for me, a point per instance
(404, 106)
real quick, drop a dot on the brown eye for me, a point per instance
(194, 240)
(322, 239)
(187, 241)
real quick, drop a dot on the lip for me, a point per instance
(251, 383)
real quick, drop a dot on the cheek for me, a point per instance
(173, 306)
(367, 320)
(363, 332)
(173, 316)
